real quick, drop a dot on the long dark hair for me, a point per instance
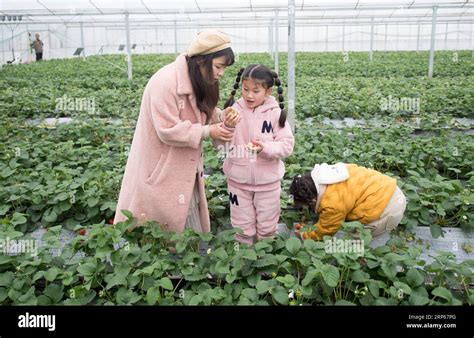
(268, 78)
(207, 93)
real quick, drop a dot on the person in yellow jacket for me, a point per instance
(348, 192)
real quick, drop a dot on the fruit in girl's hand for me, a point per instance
(231, 114)
(252, 146)
(255, 143)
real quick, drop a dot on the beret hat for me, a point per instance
(208, 41)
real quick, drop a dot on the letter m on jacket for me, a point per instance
(233, 199)
(267, 127)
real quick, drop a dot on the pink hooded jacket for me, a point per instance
(261, 172)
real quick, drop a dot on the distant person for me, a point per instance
(37, 45)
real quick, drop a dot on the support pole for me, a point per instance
(371, 53)
(446, 37)
(470, 40)
(343, 37)
(49, 40)
(175, 39)
(432, 46)
(270, 38)
(418, 38)
(273, 39)
(3, 46)
(291, 64)
(277, 26)
(82, 41)
(396, 25)
(129, 51)
(327, 32)
(13, 46)
(28, 48)
(457, 37)
(93, 40)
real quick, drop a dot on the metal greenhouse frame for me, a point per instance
(268, 16)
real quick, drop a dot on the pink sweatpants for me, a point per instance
(256, 213)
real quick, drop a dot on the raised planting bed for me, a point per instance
(454, 241)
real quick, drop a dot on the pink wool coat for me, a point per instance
(166, 149)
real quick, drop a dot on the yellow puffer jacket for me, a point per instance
(362, 197)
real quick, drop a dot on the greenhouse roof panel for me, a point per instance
(200, 11)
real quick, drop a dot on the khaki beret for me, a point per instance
(208, 41)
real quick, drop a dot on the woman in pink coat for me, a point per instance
(163, 179)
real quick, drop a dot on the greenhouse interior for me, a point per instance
(136, 132)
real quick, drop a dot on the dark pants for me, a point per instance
(39, 56)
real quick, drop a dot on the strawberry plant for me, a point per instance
(112, 265)
(68, 176)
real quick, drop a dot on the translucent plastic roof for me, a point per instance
(203, 12)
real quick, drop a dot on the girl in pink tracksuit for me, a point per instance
(254, 164)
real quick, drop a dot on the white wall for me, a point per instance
(61, 42)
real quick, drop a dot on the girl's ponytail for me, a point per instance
(231, 100)
(281, 99)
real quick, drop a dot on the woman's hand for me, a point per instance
(231, 117)
(219, 133)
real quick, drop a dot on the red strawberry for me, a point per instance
(297, 226)
(111, 221)
(82, 232)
